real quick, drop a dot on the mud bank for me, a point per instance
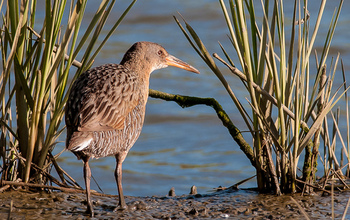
(229, 204)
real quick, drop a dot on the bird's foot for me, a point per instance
(120, 208)
(90, 211)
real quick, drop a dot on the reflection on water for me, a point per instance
(181, 147)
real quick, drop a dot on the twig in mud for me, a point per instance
(326, 179)
(332, 199)
(33, 185)
(346, 209)
(235, 186)
(10, 210)
(4, 188)
(300, 208)
(97, 183)
(316, 187)
(63, 189)
(340, 178)
(61, 172)
(330, 174)
(49, 176)
(57, 167)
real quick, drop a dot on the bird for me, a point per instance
(105, 109)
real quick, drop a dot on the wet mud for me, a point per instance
(228, 204)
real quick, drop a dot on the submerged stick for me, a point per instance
(188, 101)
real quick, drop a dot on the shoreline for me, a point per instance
(225, 204)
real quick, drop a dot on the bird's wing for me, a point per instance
(108, 94)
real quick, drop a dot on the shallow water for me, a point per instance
(182, 147)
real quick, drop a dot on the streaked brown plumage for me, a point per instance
(106, 108)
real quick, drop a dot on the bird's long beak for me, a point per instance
(173, 61)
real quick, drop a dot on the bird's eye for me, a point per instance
(160, 52)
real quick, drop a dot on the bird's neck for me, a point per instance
(142, 71)
(137, 64)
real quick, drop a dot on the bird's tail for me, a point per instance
(79, 141)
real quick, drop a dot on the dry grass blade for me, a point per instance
(201, 50)
(335, 123)
(320, 119)
(300, 208)
(3, 123)
(205, 55)
(258, 89)
(346, 209)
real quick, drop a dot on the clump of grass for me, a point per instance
(36, 62)
(290, 107)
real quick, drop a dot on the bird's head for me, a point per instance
(148, 56)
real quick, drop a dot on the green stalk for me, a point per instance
(19, 48)
(109, 34)
(57, 111)
(41, 75)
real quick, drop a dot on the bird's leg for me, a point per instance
(118, 179)
(87, 177)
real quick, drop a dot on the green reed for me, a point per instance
(36, 61)
(290, 100)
